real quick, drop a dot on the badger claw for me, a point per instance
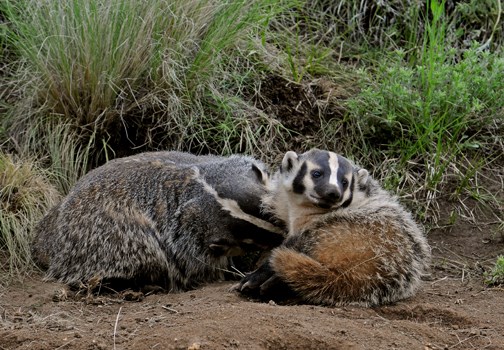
(252, 282)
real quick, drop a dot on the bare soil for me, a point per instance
(453, 310)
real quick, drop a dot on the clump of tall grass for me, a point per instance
(68, 152)
(130, 74)
(25, 196)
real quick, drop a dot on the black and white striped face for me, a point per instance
(321, 178)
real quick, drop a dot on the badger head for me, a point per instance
(322, 179)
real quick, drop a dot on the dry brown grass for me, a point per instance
(25, 196)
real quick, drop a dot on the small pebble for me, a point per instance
(194, 346)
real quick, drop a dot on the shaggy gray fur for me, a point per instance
(166, 218)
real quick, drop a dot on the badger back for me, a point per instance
(238, 183)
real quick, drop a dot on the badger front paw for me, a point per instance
(265, 285)
(252, 282)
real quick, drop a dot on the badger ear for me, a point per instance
(289, 160)
(262, 175)
(362, 177)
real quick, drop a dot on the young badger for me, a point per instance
(165, 218)
(349, 241)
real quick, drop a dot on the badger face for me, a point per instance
(321, 178)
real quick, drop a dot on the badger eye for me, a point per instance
(316, 174)
(344, 182)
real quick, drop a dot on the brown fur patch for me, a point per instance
(290, 264)
(345, 262)
(181, 181)
(140, 218)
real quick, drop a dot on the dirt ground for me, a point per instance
(453, 310)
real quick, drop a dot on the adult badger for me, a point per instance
(349, 241)
(165, 218)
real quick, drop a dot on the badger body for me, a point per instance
(166, 218)
(349, 241)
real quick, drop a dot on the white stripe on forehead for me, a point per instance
(333, 165)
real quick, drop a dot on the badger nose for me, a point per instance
(333, 195)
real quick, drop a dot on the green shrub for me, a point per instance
(419, 122)
(495, 277)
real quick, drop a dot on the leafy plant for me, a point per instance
(428, 114)
(495, 276)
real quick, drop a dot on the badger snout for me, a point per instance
(333, 195)
(329, 197)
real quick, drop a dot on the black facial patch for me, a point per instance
(321, 159)
(344, 168)
(352, 187)
(297, 184)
